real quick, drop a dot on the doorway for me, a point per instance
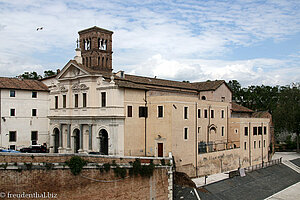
(103, 142)
(160, 149)
(76, 134)
(56, 140)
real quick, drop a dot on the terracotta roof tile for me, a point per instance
(238, 108)
(22, 84)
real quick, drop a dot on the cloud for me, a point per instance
(182, 40)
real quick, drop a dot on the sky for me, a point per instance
(253, 41)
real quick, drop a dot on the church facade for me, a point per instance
(93, 109)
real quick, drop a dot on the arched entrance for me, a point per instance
(56, 139)
(76, 134)
(103, 142)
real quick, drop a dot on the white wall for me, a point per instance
(23, 122)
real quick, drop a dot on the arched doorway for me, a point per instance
(56, 139)
(76, 134)
(103, 142)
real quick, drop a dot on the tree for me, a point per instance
(31, 75)
(49, 73)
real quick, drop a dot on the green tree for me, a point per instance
(30, 75)
(49, 73)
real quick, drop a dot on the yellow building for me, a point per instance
(95, 110)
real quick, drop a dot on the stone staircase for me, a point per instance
(291, 165)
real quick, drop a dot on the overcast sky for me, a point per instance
(254, 42)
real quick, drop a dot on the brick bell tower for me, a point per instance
(96, 48)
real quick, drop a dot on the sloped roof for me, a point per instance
(142, 82)
(238, 108)
(22, 84)
(261, 114)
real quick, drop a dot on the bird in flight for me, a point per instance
(39, 28)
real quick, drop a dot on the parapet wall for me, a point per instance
(30, 174)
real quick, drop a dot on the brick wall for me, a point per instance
(91, 183)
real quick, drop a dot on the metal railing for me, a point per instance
(263, 165)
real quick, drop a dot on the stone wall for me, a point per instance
(17, 178)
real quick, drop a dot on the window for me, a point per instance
(265, 130)
(56, 102)
(34, 137)
(222, 99)
(245, 145)
(264, 143)
(254, 130)
(34, 112)
(103, 99)
(34, 94)
(222, 131)
(12, 93)
(129, 111)
(185, 112)
(12, 136)
(143, 111)
(84, 100)
(246, 131)
(12, 147)
(199, 129)
(254, 144)
(203, 97)
(212, 114)
(12, 112)
(259, 144)
(260, 130)
(160, 111)
(185, 133)
(199, 113)
(222, 114)
(205, 113)
(64, 101)
(76, 100)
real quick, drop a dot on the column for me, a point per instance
(69, 136)
(90, 137)
(60, 136)
(81, 138)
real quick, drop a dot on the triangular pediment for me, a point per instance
(72, 70)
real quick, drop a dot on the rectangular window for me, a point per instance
(254, 145)
(64, 101)
(103, 99)
(160, 111)
(199, 129)
(34, 94)
(264, 143)
(245, 145)
(12, 112)
(199, 113)
(34, 137)
(76, 101)
(260, 130)
(56, 102)
(12, 93)
(222, 114)
(265, 130)
(254, 130)
(12, 147)
(246, 131)
(84, 100)
(12, 136)
(34, 112)
(129, 111)
(259, 144)
(212, 114)
(143, 111)
(185, 133)
(222, 131)
(185, 112)
(205, 113)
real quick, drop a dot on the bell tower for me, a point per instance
(96, 48)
